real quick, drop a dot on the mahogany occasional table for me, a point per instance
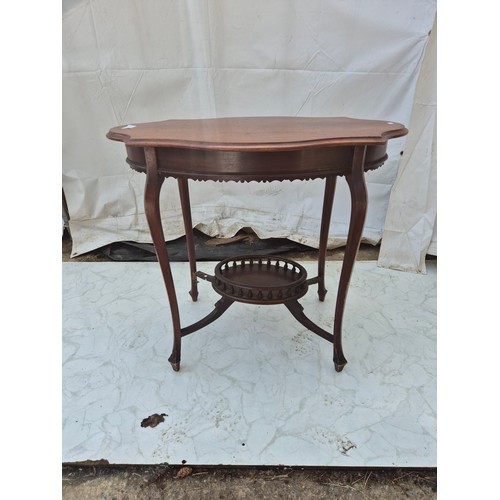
(258, 149)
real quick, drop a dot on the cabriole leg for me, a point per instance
(357, 187)
(323, 235)
(154, 182)
(188, 228)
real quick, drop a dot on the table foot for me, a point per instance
(339, 366)
(175, 357)
(175, 361)
(194, 295)
(175, 366)
(322, 293)
(338, 358)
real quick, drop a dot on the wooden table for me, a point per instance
(258, 149)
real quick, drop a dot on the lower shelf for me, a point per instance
(255, 279)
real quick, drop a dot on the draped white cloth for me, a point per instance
(410, 228)
(130, 61)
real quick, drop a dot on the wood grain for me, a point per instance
(270, 133)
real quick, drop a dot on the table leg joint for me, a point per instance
(297, 311)
(220, 307)
(204, 276)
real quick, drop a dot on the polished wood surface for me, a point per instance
(312, 163)
(269, 133)
(226, 148)
(258, 149)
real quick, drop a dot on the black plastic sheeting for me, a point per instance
(127, 251)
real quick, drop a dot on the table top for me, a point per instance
(246, 134)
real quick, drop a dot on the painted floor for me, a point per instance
(255, 387)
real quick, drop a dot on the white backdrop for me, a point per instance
(410, 227)
(129, 61)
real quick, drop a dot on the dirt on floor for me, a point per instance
(132, 482)
(101, 481)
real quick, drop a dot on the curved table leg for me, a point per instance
(220, 307)
(297, 311)
(188, 227)
(357, 186)
(323, 235)
(152, 209)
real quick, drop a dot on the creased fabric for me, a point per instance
(130, 61)
(410, 229)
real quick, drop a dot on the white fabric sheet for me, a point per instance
(410, 230)
(129, 61)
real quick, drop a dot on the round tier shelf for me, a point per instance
(257, 279)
